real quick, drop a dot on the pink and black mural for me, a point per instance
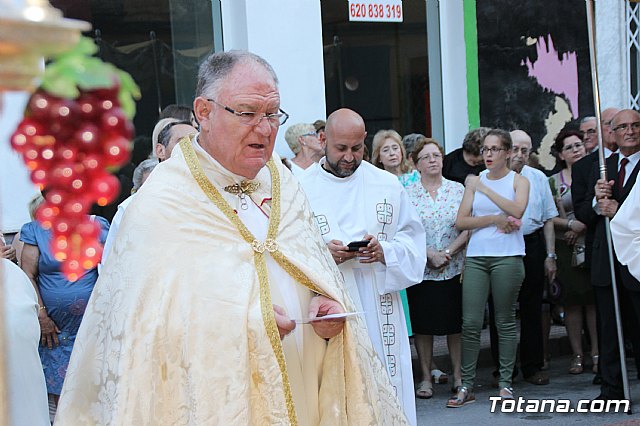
(533, 66)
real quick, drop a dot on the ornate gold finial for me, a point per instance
(28, 35)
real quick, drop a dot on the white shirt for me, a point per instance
(628, 169)
(541, 206)
(490, 241)
(295, 169)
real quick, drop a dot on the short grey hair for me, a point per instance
(34, 203)
(409, 142)
(473, 140)
(145, 167)
(584, 120)
(219, 65)
(294, 132)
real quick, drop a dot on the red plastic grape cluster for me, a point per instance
(68, 145)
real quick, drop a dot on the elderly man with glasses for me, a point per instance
(589, 130)
(622, 168)
(221, 325)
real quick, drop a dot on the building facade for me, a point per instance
(446, 67)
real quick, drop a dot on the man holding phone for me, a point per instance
(375, 237)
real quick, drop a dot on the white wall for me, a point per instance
(288, 34)
(454, 74)
(611, 52)
(16, 190)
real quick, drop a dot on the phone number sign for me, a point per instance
(375, 10)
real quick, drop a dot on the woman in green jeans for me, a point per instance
(491, 208)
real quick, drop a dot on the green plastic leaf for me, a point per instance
(127, 83)
(84, 47)
(127, 104)
(79, 69)
(63, 87)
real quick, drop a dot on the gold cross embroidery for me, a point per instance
(245, 187)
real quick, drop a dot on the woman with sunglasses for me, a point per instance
(491, 208)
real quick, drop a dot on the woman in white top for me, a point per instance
(305, 145)
(491, 208)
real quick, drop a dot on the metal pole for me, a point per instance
(156, 71)
(603, 175)
(338, 52)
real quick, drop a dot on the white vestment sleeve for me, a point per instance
(625, 232)
(406, 254)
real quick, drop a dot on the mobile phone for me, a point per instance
(355, 245)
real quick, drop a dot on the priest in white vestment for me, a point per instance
(353, 200)
(625, 232)
(192, 319)
(27, 391)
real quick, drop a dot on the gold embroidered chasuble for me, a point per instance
(180, 328)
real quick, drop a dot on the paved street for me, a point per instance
(562, 386)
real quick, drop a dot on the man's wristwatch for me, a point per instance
(552, 256)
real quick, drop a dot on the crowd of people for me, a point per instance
(218, 268)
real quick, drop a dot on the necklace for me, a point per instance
(433, 190)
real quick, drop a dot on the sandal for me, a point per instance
(439, 377)
(425, 390)
(457, 384)
(462, 398)
(576, 365)
(506, 394)
(545, 364)
(595, 359)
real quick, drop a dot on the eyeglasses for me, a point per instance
(573, 146)
(493, 150)
(590, 132)
(435, 156)
(523, 150)
(626, 126)
(249, 118)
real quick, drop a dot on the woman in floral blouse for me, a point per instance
(435, 305)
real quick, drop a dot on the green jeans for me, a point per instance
(502, 277)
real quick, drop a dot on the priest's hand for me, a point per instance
(285, 324)
(340, 252)
(373, 252)
(321, 306)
